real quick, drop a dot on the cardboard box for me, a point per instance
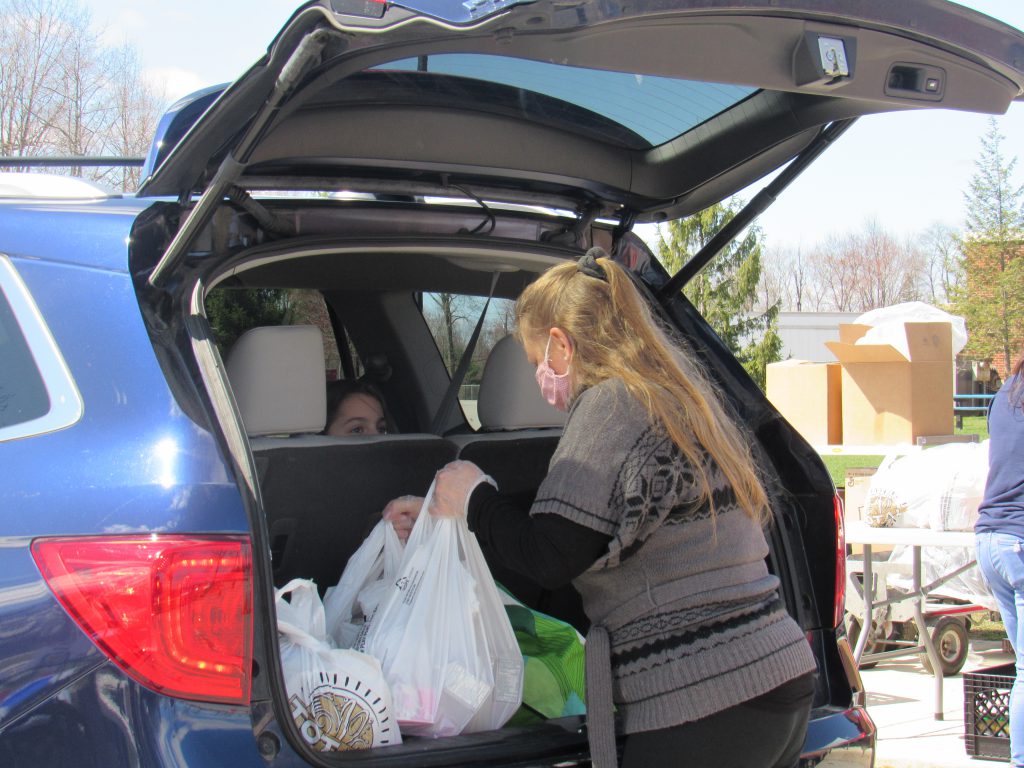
(891, 398)
(809, 396)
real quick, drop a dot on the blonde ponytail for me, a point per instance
(615, 335)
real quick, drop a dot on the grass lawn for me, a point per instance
(975, 425)
(837, 465)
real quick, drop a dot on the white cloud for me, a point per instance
(123, 26)
(174, 82)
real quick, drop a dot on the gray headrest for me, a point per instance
(509, 395)
(277, 374)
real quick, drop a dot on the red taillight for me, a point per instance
(174, 612)
(840, 599)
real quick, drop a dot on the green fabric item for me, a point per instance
(553, 670)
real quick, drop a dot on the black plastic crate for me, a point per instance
(987, 711)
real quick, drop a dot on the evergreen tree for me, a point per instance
(725, 291)
(233, 311)
(991, 299)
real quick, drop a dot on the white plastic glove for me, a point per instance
(454, 485)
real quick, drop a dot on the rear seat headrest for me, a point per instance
(509, 396)
(277, 374)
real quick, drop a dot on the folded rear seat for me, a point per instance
(320, 494)
(518, 429)
(518, 435)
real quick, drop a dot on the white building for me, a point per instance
(804, 334)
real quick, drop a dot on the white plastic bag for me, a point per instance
(370, 570)
(887, 325)
(443, 637)
(938, 488)
(936, 563)
(338, 698)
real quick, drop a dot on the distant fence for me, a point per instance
(970, 405)
(469, 392)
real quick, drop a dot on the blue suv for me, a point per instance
(161, 477)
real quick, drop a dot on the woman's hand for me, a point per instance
(402, 513)
(453, 485)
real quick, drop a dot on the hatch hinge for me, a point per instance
(306, 55)
(573, 235)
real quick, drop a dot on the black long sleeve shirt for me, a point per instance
(547, 548)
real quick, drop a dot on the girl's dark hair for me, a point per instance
(338, 390)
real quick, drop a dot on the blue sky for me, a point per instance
(905, 170)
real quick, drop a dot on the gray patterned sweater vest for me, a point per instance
(687, 618)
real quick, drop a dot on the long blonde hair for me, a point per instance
(615, 335)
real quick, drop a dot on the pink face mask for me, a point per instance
(553, 387)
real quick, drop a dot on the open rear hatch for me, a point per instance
(624, 113)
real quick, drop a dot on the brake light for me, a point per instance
(840, 591)
(370, 9)
(174, 612)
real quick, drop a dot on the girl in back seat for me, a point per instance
(354, 408)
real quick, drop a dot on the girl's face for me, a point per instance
(358, 414)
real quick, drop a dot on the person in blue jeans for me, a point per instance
(999, 533)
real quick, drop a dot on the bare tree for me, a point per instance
(835, 270)
(135, 108)
(82, 77)
(63, 92)
(889, 271)
(771, 286)
(858, 271)
(450, 311)
(34, 35)
(788, 280)
(943, 269)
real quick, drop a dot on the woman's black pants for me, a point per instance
(766, 732)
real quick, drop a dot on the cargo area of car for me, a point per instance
(317, 497)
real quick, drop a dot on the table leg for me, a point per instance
(869, 595)
(924, 635)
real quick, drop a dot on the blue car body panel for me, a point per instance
(134, 462)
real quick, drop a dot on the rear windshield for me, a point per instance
(637, 111)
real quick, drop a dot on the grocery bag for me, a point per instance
(338, 698)
(554, 660)
(370, 570)
(442, 635)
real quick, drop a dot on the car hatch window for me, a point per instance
(647, 110)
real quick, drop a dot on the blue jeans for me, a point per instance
(1001, 559)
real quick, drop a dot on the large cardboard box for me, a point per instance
(809, 396)
(890, 397)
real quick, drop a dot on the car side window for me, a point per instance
(37, 393)
(451, 318)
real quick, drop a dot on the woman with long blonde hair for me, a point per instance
(654, 510)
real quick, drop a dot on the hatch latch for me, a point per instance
(824, 59)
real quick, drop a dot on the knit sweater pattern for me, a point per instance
(694, 618)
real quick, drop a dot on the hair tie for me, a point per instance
(588, 263)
